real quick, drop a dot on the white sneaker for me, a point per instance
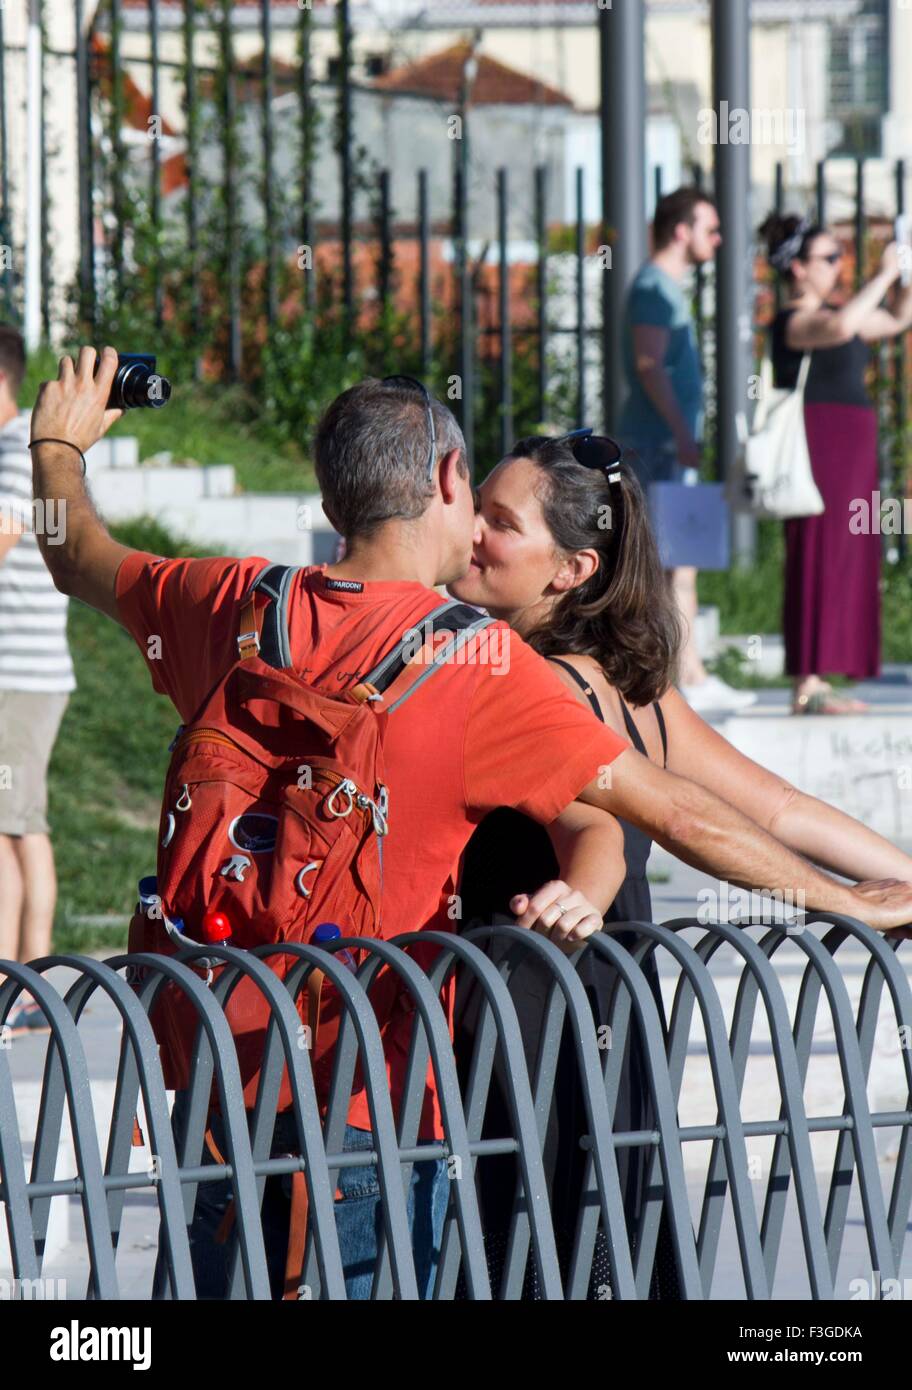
(715, 694)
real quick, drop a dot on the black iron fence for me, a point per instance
(730, 1185)
(212, 235)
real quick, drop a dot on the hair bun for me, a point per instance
(785, 236)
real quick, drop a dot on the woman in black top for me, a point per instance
(497, 858)
(564, 553)
(831, 619)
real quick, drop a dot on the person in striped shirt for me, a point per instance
(36, 677)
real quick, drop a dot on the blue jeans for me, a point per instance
(358, 1215)
(359, 1218)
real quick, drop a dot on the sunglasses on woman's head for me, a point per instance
(592, 450)
(411, 383)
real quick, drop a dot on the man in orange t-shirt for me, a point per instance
(395, 483)
(477, 735)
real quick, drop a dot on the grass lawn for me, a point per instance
(107, 774)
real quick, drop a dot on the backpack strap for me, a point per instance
(442, 657)
(270, 638)
(459, 618)
(394, 663)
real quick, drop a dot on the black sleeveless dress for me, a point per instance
(510, 853)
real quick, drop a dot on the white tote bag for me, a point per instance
(779, 482)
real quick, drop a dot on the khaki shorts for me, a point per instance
(28, 727)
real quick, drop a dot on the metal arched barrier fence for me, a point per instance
(486, 959)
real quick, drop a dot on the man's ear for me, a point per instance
(451, 479)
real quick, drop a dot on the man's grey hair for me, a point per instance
(371, 455)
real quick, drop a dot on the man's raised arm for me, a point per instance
(79, 552)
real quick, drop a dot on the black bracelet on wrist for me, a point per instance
(69, 444)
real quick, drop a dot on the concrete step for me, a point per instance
(706, 631)
(120, 493)
(202, 505)
(27, 1094)
(290, 528)
(114, 451)
(764, 653)
(65, 1224)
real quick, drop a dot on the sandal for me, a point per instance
(26, 1017)
(824, 702)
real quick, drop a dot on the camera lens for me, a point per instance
(136, 383)
(136, 386)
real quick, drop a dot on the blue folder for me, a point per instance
(691, 523)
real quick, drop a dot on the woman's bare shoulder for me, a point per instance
(597, 682)
(586, 665)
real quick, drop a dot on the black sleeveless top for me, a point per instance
(509, 850)
(836, 375)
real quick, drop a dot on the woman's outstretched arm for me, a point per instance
(825, 327)
(813, 828)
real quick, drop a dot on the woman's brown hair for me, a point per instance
(624, 614)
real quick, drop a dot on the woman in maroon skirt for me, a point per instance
(832, 571)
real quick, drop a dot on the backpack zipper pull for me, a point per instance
(347, 786)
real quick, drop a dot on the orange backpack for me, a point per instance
(274, 814)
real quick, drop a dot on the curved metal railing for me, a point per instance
(102, 1176)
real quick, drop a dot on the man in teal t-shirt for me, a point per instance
(661, 421)
(656, 301)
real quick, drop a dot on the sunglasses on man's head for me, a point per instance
(411, 383)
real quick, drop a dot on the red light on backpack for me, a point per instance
(215, 926)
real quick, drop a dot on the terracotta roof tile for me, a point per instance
(440, 75)
(239, 4)
(327, 4)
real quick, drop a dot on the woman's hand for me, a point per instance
(890, 265)
(541, 912)
(885, 904)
